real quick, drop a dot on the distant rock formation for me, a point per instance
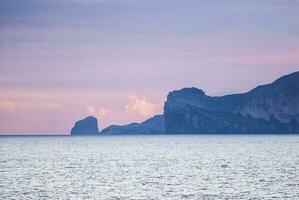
(272, 108)
(87, 126)
(154, 125)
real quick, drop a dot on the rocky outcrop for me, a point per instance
(272, 108)
(154, 125)
(87, 126)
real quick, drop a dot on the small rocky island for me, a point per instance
(87, 126)
(266, 109)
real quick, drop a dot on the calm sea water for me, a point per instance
(150, 167)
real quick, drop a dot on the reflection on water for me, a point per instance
(150, 167)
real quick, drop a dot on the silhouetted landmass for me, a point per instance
(154, 125)
(87, 126)
(272, 108)
(267, 109)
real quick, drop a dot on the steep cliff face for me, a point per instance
(272, 108)
(87, 126)
(279, 99)
(154, 125)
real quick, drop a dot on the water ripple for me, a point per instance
(150, 167)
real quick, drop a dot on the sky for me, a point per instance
(62, 60)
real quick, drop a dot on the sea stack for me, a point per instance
(87, 126)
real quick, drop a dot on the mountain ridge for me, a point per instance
(154, 125)
(278, 100)
(269, 108)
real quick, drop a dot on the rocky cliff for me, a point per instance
(272, 108)
(154, 125)
(87, 126)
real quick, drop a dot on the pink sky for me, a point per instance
(117, 60)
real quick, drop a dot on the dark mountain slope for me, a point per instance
(154, 125)
(272, 108)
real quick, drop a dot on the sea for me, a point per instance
(150, 167)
